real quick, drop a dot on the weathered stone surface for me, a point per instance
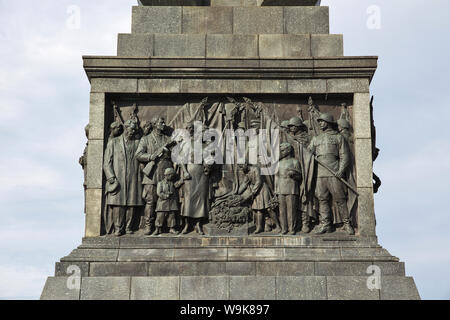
(398, 288)
(312, 254)
(235, 3)
(97, 116)
(284, 45)
(249, 20)
(374, 253)
(159, 86)
(347, 85)
(204, 288)
(61, 269)
(229, 45)
(350, 288)
(366, 212)
(93, 212)
(156, 20)
(301, 288)
(207, 20)
(327, 45)
(174, 2)
(285, 268)
(155, 288)
(206, 254)
(247, 86)
(187, 268)
(146, 254)
(252, 288)
(258, 254)
(135, 45)
(342, 268)
(94, 177)
(363, 159)
(105, 288)
(274, 86)
(56, 289)
(131, 269)
(240, 268)
(305, 20)
(92, 255)
(361, 116)
(180, 45)
(307, 86)
(254, 3)
(114, 85)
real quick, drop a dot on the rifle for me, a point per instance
(335, 175)
(151, 165)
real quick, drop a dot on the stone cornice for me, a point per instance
(230, 68)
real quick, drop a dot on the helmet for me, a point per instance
(326, 117)
(285, 124)
(343, 123)
(297, 122)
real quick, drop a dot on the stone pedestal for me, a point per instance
(280, 52)
(231, 268)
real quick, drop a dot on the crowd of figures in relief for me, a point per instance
(313, 191)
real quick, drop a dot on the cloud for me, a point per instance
(23, 282)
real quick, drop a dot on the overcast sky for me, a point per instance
(44, 104)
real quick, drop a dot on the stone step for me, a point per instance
(250, 268)
(230, 20)
(233, 3)
(232, 288)
(230, 45)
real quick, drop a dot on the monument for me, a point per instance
(229, 157)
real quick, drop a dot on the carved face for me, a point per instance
(170, 176)
(294, 129)
(161, 124)
(323, 124)
(190, 128)
(131, 129)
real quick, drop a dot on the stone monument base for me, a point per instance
(328, 267)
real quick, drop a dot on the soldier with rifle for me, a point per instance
(154, 152)
(333, 156)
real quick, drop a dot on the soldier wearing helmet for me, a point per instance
(331, 149)
(299, 131)
(344, 129)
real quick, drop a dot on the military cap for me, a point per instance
(296, 122)
(326, 117)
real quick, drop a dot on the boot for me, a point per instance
(157, 231)
(305, 224)
(147, 230)
(259, 222)
(199, 229)
(324, 227)
(348, 228)
(186, 226)
(173, 231)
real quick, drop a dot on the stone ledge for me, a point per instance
(231, 288)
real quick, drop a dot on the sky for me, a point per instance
(44, 106)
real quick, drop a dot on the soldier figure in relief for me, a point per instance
(332, 149)
(299, 131)
(154, 153)
(123, 177)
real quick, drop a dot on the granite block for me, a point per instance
(284, 45)
(252, 288)
(306, 20)
(285, 268)
(180, 45)
(56, 289)
(301, 288)
(161, 19)
(204, 288)
(105, 288)
(350, 288)
(114, 85)
(97, 116)
(207, 20)
(258, 20)
(135, 45)
(108, 269)
(155, 288)
(229, 45)
(398, 288)
(327, 45)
